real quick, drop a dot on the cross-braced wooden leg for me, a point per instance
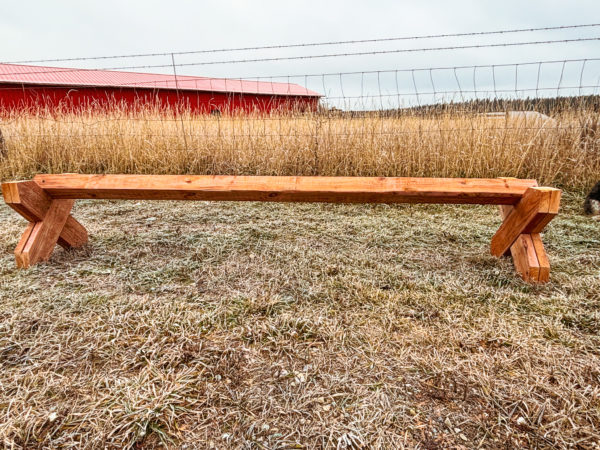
(519, 233)
(51, 222)
(528, 254)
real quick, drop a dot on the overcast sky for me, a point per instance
(31, 30)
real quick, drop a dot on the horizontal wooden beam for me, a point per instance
(286, 189)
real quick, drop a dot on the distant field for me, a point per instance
(296, 326)
(564, 151)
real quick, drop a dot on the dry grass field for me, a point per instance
(246, 325)
(561, 152)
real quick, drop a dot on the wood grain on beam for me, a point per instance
(285, 189)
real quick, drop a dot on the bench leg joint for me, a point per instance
(50, 220)
(519, 234)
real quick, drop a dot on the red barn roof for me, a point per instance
(55, 76)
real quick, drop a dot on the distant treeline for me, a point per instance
(548, 106)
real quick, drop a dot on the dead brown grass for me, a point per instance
(564, 151)
(299, 326)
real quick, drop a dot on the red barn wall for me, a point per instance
(27, 97)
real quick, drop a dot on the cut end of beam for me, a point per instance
(7, 192)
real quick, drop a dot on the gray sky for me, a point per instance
(63, 29)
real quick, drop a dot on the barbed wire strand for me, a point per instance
(305, 57)
(312, 44)
(143, 84)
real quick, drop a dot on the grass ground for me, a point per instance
(299, 326)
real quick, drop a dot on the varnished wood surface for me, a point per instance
(285, 189)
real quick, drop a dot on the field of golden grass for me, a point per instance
(563, 151)
(248, 325)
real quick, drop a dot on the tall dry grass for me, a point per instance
(563, 151)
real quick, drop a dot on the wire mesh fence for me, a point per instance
(538, 117)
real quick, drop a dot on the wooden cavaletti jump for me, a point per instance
(46, 203)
